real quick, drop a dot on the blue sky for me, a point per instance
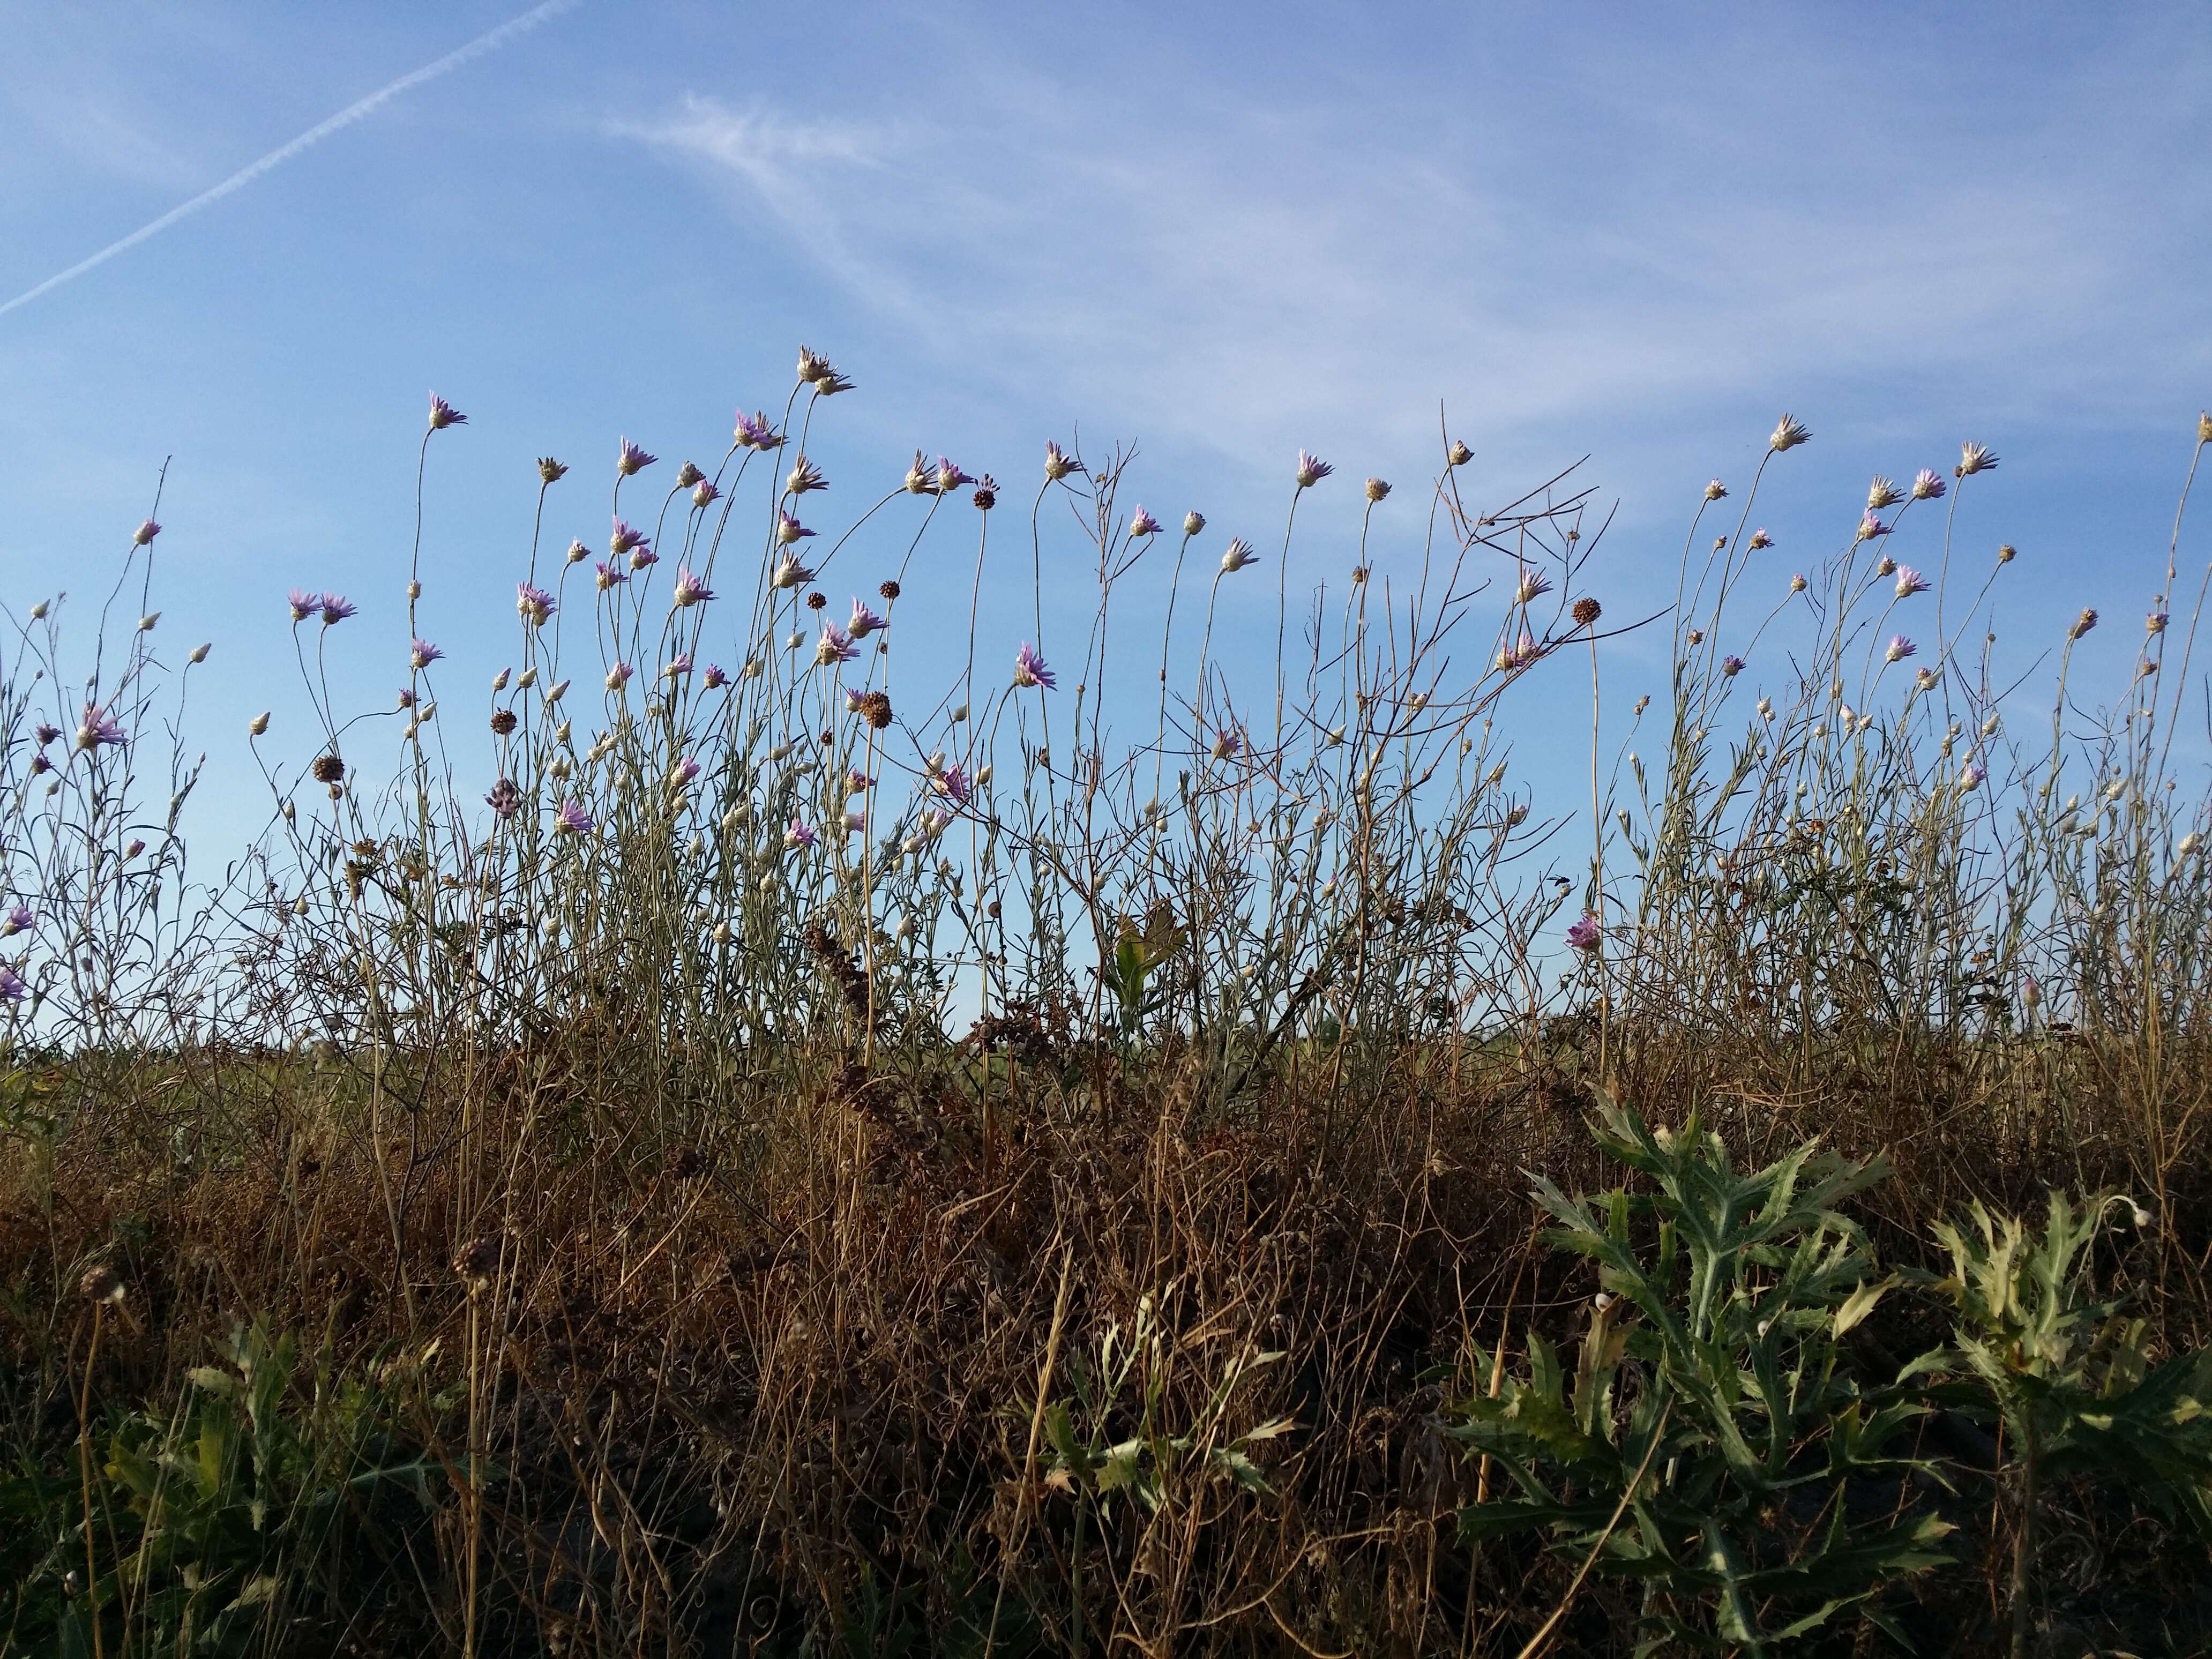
(1225, 233)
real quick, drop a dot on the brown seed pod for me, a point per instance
(1587, 611)
(876, 709)
(816, 600)
(503, 721)
(100, 1284)
(479, 1259)
(328, 768)
(889, 589)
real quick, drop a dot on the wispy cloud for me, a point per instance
(490, 40)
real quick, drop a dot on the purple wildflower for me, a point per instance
(631, 459)
(678, 667)
(705, 493)
(1583, 935)
(1971, 775)
(856, 821)
(1226, 743)
(715, 679)
(337, 608)
(950, 478)
(1057, 463)
(1870, 526)
(1759, 538)
(1910, 581)
(145, 533)
(504, 799)
(796, 834)
(1899, 648)
(609, 575)
(690, 590)
(641, 558)
(573, 819)
(443, 414)
(1030, 669)
(865, 622)
(835, 645)
(618, 676)
(952, 783)
(854, 700)
(425, 654)
(12, 986)
(1239, 556)
(303, 604)
(791, 573)
(1928, 486)
(534, 604)
(1533, 586)
(97, 727)
(1731, 666)
(17, 920)
(624, 538)
(1311, 469)
(45, 734)
(856, 780)
(788, 529)
(40, 764)
(756, 432)
(683, 771)
(1143, 525)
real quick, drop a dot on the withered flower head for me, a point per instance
(876, 709)
(502, 722)
(328, 768)
(889, 589)
(1586, 611)
(100, 1284)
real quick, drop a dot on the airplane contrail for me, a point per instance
(491, 40)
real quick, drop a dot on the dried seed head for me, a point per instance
(478, 1261)
(2007, 553)
(1788, 433)
(889, 589)
(550, 469)
(876, 709)
(1586, 611)
(502, 722)
(1459, 454)
(815, 601)
(328, 768)
(1377, 490)
(100, 1284)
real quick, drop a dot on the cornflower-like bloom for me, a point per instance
(2155, 623)
(921, 476)
(46, 732)
(424, 653)
(624, 538)
(1533, 588)
(683, 771)
(504, 799)
(950, 478)
(13, 988)
(1926, 678)
(98, 726)
(1788, 433)
(1030, 669)
(690, 590)
(678, 667)
(618, 676)
(1899, 648)
(1459, 454)
(1870, 527)
(804, 475)
(534, 603)
(705, 494)
(713, 679)
(987, 494)
(1731, 666)
(40, 764)
(578, 552)
(1928, 485)
(788, 530)
(796, 834)
(812, 367)
(1311, 469)
(791, 573)
(143, 536)
(1885, 566)
(630, 459)
(687, 475)
(641, 557)
(609, 575)
(550, 470)
(754, 432)
(1715, 491)
(857, 781)
(336, 609)
(1881, 493)
(865, 622)
(1226, 743)
(303, 604)
(856, 821)
(573, 819)
(1238, 558)
(831, 384)
(835, 645)
(1910, 581)
(1585, 934)
(2082, 624)
(1970, 777)
(1193, 523)
(18, 920)
(1144, 524)
(855, 700)
(443, 414)
(1760, 539)
(1797, 584)
(1057, 463)
(952, 784)
(1975, 458)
